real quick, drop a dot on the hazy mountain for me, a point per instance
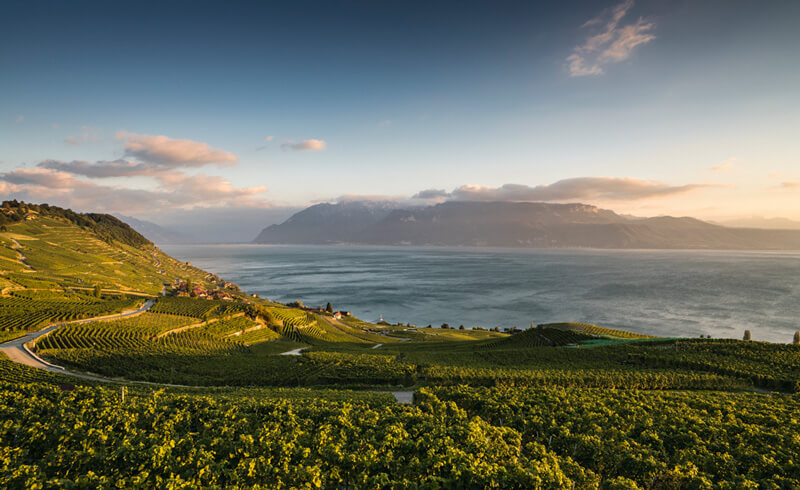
(512, 224)
(327, 223)
(155, 233)
(215, 225)
(763, 223)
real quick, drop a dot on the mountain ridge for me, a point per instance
(514, 224)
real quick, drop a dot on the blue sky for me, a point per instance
(646, 107)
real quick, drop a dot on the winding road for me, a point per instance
(18, 248)
(17, 351)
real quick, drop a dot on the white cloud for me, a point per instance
(161, 150)
(102, 169)
(612, 44)
(176, 190)
(309, 145)
(431, 194)
(269, 138)
(581, 188)
(156, 157)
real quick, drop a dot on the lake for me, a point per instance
(668, 293)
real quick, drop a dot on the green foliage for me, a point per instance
(89, 438)
(766, 365)
(652, 439)
(195, 308)
(23, 313)
(595, 331)
(542, 337)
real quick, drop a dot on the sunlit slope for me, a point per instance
(50, 253)
(595, 331)
(539, 337)
(57, 265)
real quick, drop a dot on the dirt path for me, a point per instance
(18, 248)
(246, 330)
(293, 352)
(197, 325)
(404, 397)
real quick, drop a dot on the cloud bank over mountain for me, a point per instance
(576, 189)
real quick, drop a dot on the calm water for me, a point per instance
(670, 293)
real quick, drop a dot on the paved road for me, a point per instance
(17, 352)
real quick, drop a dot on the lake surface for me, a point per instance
(668, 293)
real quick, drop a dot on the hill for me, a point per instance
(516, 224)
(327, 223)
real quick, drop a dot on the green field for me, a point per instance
(212, 402)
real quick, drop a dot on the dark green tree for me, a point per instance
(329, 307)
(746, 335)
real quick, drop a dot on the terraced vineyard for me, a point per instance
(595, 331)
(226, 326)
(264, 334)
(187, 307)
(21, 314)
(536, 337)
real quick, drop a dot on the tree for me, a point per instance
(746, 335)
(329, 307)
(97, 291)
(461, 327)
(796, 340)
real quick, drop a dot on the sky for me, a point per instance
(184, 111)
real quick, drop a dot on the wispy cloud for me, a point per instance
(724, 165)
(87, 135)
(305, 145)
(789, 185)
(581, 188)
(20, 118)
(101, 169)
(613, 43)
(176, 190)
(431, 194)
(269, 138)
(162, 150)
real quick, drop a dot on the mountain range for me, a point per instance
(512, 224)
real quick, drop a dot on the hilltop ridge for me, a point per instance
(514, 224)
